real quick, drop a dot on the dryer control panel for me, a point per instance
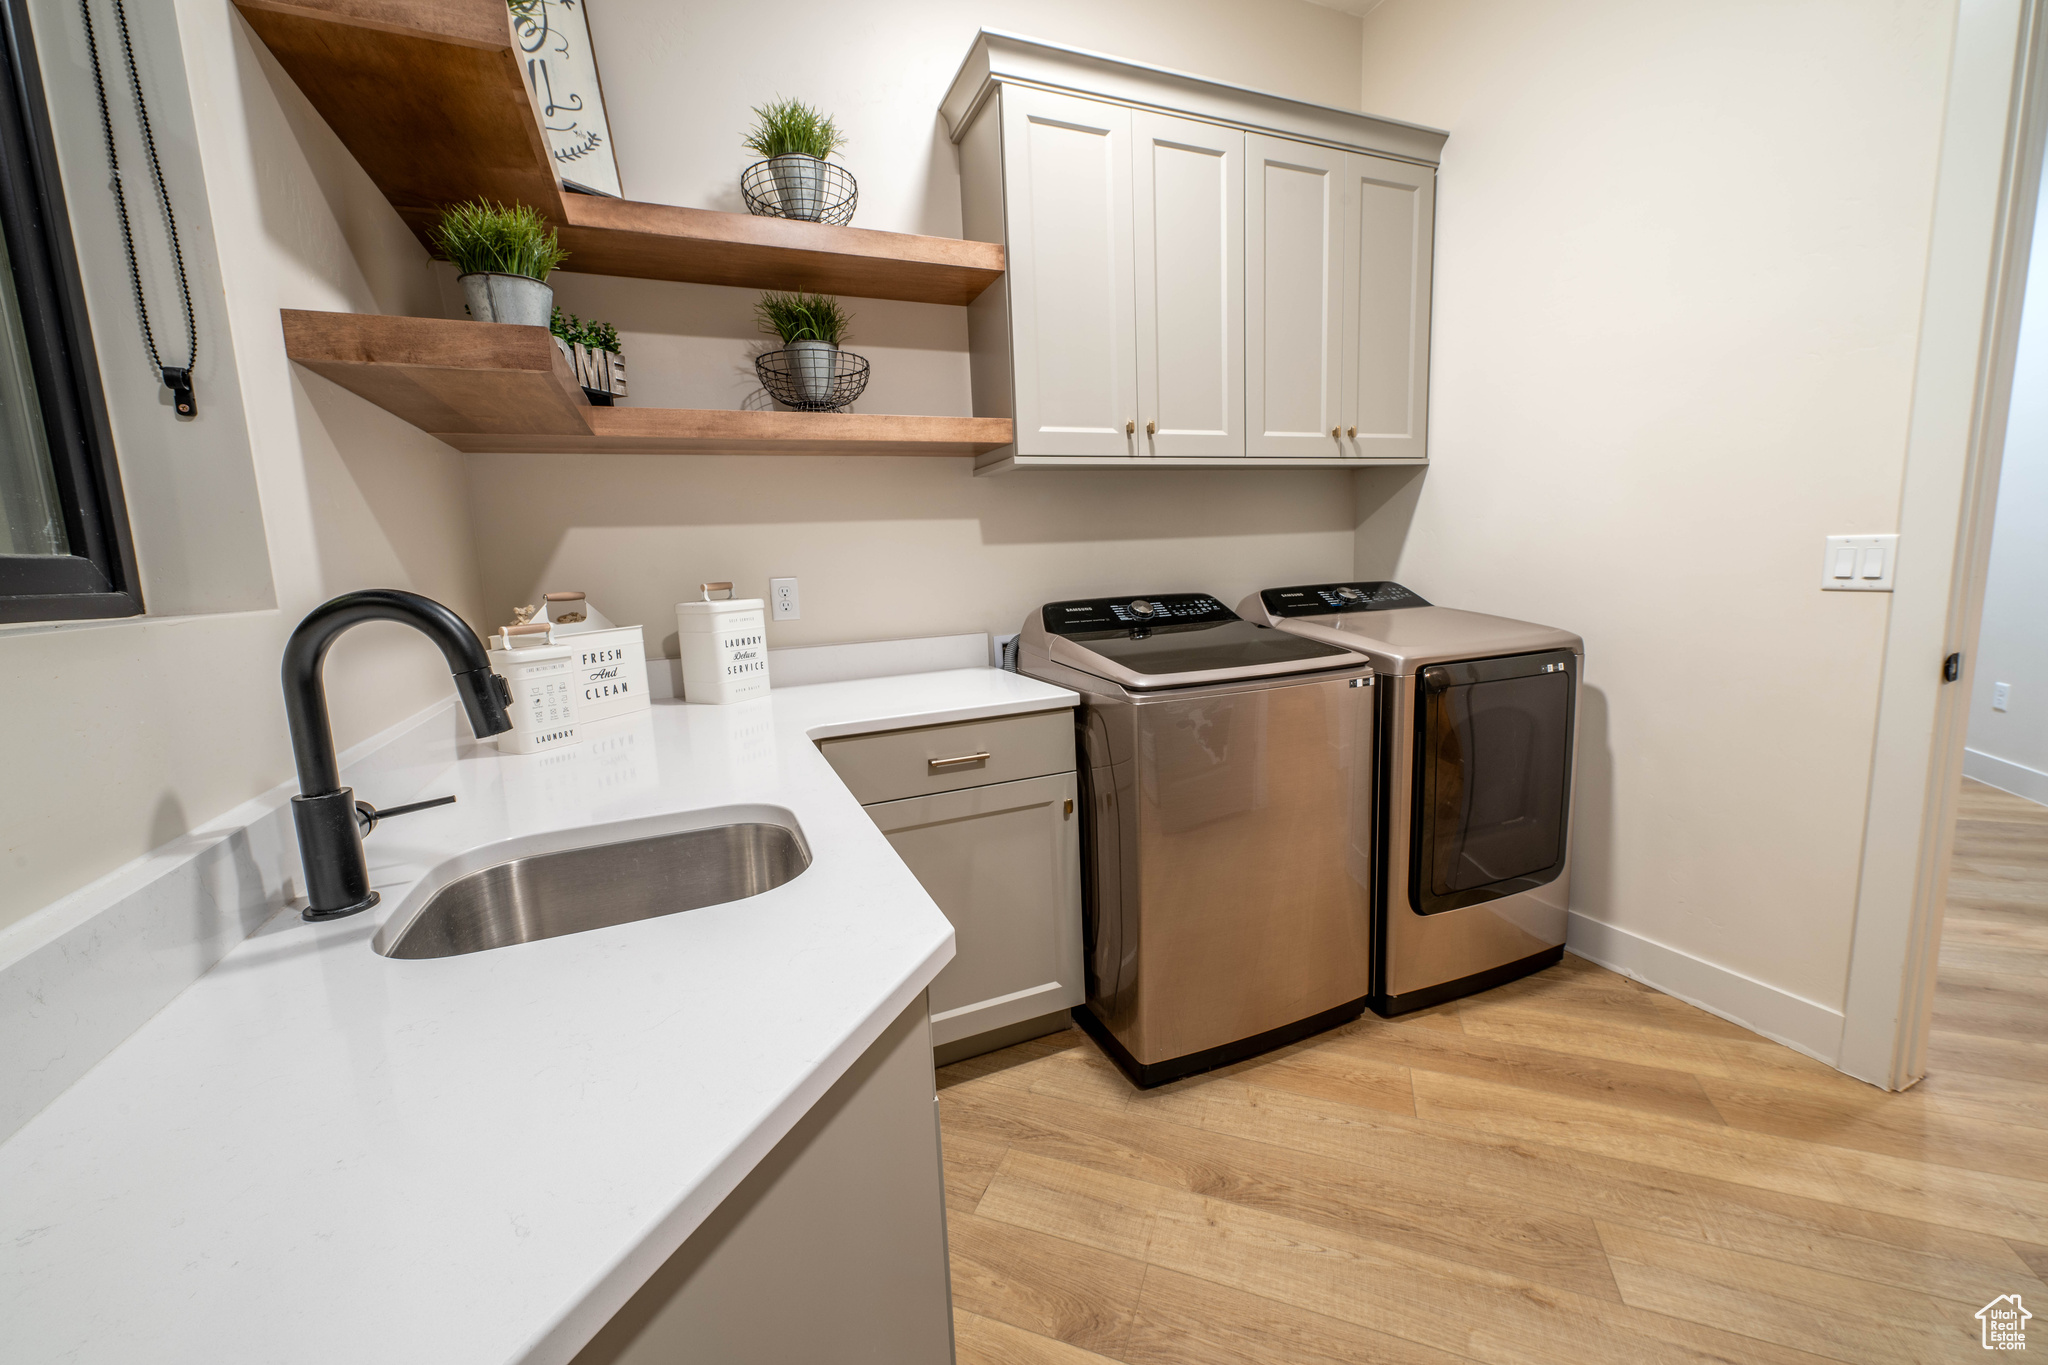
(1098, 614)
(1328, 598)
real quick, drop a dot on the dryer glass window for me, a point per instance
(1494, 780)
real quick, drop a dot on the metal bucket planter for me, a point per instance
(812, 366)
(799, 185)
(493, 297)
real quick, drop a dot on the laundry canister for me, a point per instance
(543, 678)
(724, 647)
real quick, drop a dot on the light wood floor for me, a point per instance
(1570, 1169)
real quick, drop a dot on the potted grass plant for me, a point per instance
(795, 177)
(810, 372)
(503, 256)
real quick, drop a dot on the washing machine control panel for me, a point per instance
(1122, 613)
(1326, 598)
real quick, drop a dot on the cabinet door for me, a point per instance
(1294, 307)
(1188, 210)
(1389, 224)
(1067, 174)
(1003, 862)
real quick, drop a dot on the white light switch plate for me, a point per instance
(2001, 696)
(782, 598)
(1859, 563)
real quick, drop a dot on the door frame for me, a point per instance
(1993, 137)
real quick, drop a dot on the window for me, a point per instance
(65, 552)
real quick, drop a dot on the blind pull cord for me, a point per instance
(176, 378)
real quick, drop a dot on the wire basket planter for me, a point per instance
(800, 187)
(811, 376)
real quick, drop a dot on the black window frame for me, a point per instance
(98, 579)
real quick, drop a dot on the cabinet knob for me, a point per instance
(1131, 427)
(1151, 429)
(1352, 432)
(1334, 431)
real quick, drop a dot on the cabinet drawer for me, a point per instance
(943, 758)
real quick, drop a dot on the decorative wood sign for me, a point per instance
(561, 66)
(597, 371)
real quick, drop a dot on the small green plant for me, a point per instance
(482, 237)
(598, 336)
(802, 317)
(526, 11)
(791, 127)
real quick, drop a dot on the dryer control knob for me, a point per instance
(1143, 608)
(1351, 594)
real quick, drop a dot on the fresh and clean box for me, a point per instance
(611, 661)
(724, 647)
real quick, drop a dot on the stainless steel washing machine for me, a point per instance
(1227, 774)
(1476, 721)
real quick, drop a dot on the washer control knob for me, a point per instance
(1141, 607)
(1351, 594)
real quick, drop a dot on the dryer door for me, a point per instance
(1493, 753)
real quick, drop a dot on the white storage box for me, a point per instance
(612, 670)
(611, 661)
(543, 679)
(724, 648)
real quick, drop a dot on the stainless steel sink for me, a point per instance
(547, 895)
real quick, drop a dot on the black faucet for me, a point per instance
(325, 812)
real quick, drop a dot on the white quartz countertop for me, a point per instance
(318, 1154)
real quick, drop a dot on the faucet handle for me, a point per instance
(368, 815)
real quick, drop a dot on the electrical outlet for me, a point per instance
(2001, 693)
(782, 596)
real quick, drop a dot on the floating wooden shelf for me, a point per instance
(431, 97)
(701, 246)
(485, 386)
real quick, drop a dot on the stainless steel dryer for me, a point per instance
(1227, 776)
(1476, 717)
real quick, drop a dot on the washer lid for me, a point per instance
(1171, 640)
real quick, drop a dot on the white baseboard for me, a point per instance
(1798, 1023)
(2006, 775)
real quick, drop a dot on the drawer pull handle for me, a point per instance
(941, 764)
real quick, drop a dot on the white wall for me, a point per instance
(1680, 253)
(887, 546)
(288, 490)
(283, 492)
(2009, 748)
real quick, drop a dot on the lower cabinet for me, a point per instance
(1003, 862)
(983, 813)
(832, 1249)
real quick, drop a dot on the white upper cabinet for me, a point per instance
(1389, 220)
(1188, 212)
(1196, 274)
(1294, 298)
(1067, 165)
